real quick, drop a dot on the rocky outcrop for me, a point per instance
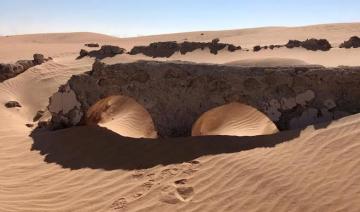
(271, 47)
(92, 45)
(158, 49)
(176, 93)
(167, 49)
(12, 104)
(9, 70)
(256, 48)
(310, 44)
(293, 44)
(38, 115)
(316, 44)
(103, 52)
(353, 42)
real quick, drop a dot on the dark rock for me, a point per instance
(103, 52)
(353, 42)
(83, 53)
(26, 64)
(12, 104)
(215, 41)
(39, 59)
(233, 48)
(158, 49)
(43, 124)
(316, 44)
(191, 46)
(38, 115)
(111, 50)
(8, 71)
(310, 44)
(167, 49)
(215, 46)
(92, 45)
(257, 48)
(29, 125)
(293, 43)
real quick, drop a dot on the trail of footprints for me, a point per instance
(171, 193)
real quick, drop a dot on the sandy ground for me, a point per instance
(93, 168)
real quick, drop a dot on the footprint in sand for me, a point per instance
(119, 204)
(177, 193)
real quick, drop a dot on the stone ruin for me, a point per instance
(10, 70)
(176, 94)
(167, 49)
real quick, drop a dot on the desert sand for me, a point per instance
(93, 168)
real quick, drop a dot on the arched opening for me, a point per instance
(234, 119)
(122, 115)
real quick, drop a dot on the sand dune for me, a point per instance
(93, 168)
(234, 119)
(54, 44)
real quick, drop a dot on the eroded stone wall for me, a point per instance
(176, 94)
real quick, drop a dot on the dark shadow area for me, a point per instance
(99, 148)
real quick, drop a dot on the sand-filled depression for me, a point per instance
(126, 117)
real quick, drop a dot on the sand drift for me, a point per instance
(177, 94)
(122, 115)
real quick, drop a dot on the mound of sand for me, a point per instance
(234, 119)
(122, 115)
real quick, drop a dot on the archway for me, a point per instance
(122, 115)
(233, 119)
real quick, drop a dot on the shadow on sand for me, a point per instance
(99, 148)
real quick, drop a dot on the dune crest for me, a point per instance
(234, 119)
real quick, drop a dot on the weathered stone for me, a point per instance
(43, 124)
(233, 48)
(310, 44)
(293, 44)
(39, 59)
(177, 93)
(92, 45)
(167, 49)
(257, 48)
(29, 125)
(304, 98)
(8, 71)
(103, 52)
(353, 42)
(316, 44)
(38, 115)
(329, 104)
(83, 53)
(12, 104)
